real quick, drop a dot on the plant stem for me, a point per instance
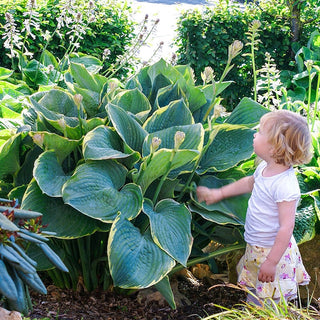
(316, 102)
(164, 177)
(254, 73)
(85, 258)
(131, 53)
(213, 254)
(203, 151)
(309, 96)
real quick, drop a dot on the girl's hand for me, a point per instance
(209, 195)
(267, 271)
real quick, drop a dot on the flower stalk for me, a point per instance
(253, 34)
(178, 140)
(233, 50)
(315, 111)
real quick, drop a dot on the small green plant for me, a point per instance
(18, 230)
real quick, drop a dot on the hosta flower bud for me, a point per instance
(234, 49)
(255, 25)
(113, 85)
(317, 67)
(207, 75)
(309, 64)
(38, 139)
(155, 143)
(62, 123)
(218, 111)
(77, 98)
(91, 4)
(106, 53)
(178, 139)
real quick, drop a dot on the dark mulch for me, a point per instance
(68, 305)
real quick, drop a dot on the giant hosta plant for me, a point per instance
(119, 160)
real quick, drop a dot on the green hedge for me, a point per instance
(112, 29)
(203, 40)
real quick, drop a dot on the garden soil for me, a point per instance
(197, 299)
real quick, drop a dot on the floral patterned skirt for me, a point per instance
(289, 274)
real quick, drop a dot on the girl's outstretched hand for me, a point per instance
(209, 196)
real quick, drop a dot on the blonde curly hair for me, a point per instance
(288, 132)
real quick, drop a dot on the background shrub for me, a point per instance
(203, 40)
(111, 29)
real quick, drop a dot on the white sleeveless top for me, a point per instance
(262, 219)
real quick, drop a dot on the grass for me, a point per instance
(268, 310)
(272, 311)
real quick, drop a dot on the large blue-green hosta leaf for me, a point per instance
(5, 73)
(231, 210)
(232, 144)
(9, 156)
(163, 68)
(135, 261)
(60, 111)
(176, 113)
(247, 112)
(87, 84)
(90, 100)
(187, 73)
(128, 128)
(91, 63)
(307, 216)
(210, 92)
(49, 174)
(56, 103)
(94, 190)
(196, 98)
(194, 136)
(63, 220)
(9, 113)
(52, 141)
(170, 228)
(133, 101)
(171, 93)
(86, 80)
(103, 143)
(164, 288)
(162, 161)
(35, 72)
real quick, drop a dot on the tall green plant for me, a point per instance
(108, 162)
(99, 165)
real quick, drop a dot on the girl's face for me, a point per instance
(261, 146)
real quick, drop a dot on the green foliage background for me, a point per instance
(112, 29)
(203, 40)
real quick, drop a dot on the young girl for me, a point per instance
(271, 265)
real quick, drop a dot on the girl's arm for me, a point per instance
(242, 186)
(287, 210)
